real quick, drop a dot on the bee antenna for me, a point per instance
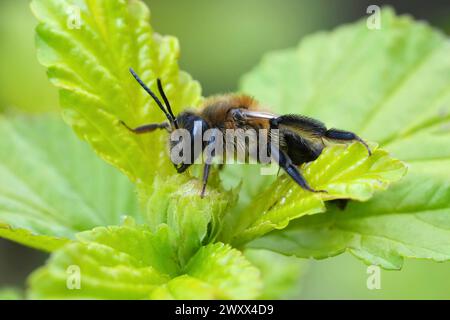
(166, 101)
(150, 92)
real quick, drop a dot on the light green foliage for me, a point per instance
(215, 272)
(176, 202)
(28, 238)
(281, 275)
(131, 262)
(53, 186)
(394, 90)
(90, 67)
(344, 172)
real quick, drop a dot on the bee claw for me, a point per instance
(366, 145)
(202, 193)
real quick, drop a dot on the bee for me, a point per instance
(301, 139)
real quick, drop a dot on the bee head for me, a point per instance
(186, 142)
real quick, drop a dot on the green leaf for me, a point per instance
(89, 63)
(391, 86)
(30, 239)
(131, 262)
(176, 201)
(215, 272)
(90, 66)
(52, 185)
(381, 232)
(344, 172)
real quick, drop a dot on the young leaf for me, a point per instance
(52, 186)
(215, 272)
(391, 86)
(88, 47)
(176, 201)
(131, 262)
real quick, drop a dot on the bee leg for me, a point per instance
(315, 128)
(210, 152)
(295, 123)
(206, 170)
(146, 128)
(336, 134)
(286, 163)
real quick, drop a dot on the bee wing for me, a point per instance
(259, 115)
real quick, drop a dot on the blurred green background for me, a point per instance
(220, 41)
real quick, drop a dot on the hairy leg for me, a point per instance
(208, 163)
(286, 164)
(314, 129)
(341, 135)
(146, 128)
(206, 170)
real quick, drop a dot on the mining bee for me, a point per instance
(301, 139)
